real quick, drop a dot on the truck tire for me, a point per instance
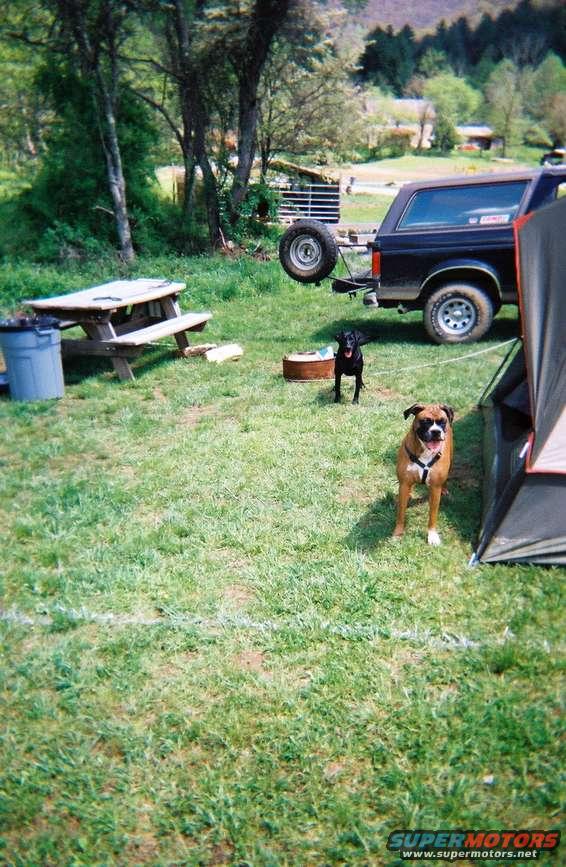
(308, 251)
(458, 313)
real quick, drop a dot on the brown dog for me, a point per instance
(425, 456)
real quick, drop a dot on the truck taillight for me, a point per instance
(376, 263)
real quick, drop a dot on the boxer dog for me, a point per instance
(349, 361)
(425, 456)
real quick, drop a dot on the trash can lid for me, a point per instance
(29, 323)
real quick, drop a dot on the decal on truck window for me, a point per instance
(494, 219)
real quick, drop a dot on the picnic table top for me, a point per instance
(109, 296)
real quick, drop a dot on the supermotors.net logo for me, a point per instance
(456, 845)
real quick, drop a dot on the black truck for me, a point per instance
(445, 247)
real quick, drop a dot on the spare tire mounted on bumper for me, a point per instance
(308, 251)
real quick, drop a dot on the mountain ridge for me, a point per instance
(425, 15)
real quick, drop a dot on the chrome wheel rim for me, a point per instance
(305, 252)
(457, 316)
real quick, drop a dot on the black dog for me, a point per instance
(349, 361)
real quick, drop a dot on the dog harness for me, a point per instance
(425, 467)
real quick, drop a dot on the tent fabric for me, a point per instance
(542, 280)
(528, 531)
(524, 502)
(550, 457)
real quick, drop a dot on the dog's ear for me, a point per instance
(449, 412)
(338, 337)
(362, 338)
(413, 410)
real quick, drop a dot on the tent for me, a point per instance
(524, 503)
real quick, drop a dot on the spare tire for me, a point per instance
(308, 251)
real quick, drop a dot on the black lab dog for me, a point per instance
(349, 361)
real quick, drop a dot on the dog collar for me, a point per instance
(425, 467)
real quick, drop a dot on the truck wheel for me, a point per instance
(308, 251)
(458, 313)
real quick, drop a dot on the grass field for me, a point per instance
(414, 167)
(364, 208)
(214, 653)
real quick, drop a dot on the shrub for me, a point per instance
(445, 136)
(68, 204)
(391, 142)
(258, 209)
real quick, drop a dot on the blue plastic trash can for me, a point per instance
(31, 347)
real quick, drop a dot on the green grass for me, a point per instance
(414, 166)
(286, 696)
(364, 208)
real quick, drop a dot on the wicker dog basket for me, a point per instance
(305, 366)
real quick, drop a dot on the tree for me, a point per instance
(305, 87)
(432, 63)
(97, 29)
(445, 135)
(248, 52)
(504, 102)
(524, 34)
(212, 56)
(24, 114)
(179, 56)
(556, 119)
(454, 102)
(69, 201)
(389, 59)
(452, 97)
(459, 38)
(89, 34)
(543, 95)
(426, 113)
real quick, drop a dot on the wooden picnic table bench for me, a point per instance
(120, 318)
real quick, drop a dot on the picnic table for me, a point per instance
(120, 318)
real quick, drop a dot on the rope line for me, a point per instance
(403, 369)
(448, 360)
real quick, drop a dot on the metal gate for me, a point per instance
(313, 201)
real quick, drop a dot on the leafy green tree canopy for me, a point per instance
(452, 97)
(69, 198)
(505, 107)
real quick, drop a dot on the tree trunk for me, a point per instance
(90, 48)
(189, 186)
(195, 123)
(267, 18)
(212, 203)
(265, 153)
(187, 147)
(247, 126)
(115, 174)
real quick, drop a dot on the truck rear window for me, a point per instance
(476, 205)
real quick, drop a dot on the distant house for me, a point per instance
(415, 117)
(477, 137)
